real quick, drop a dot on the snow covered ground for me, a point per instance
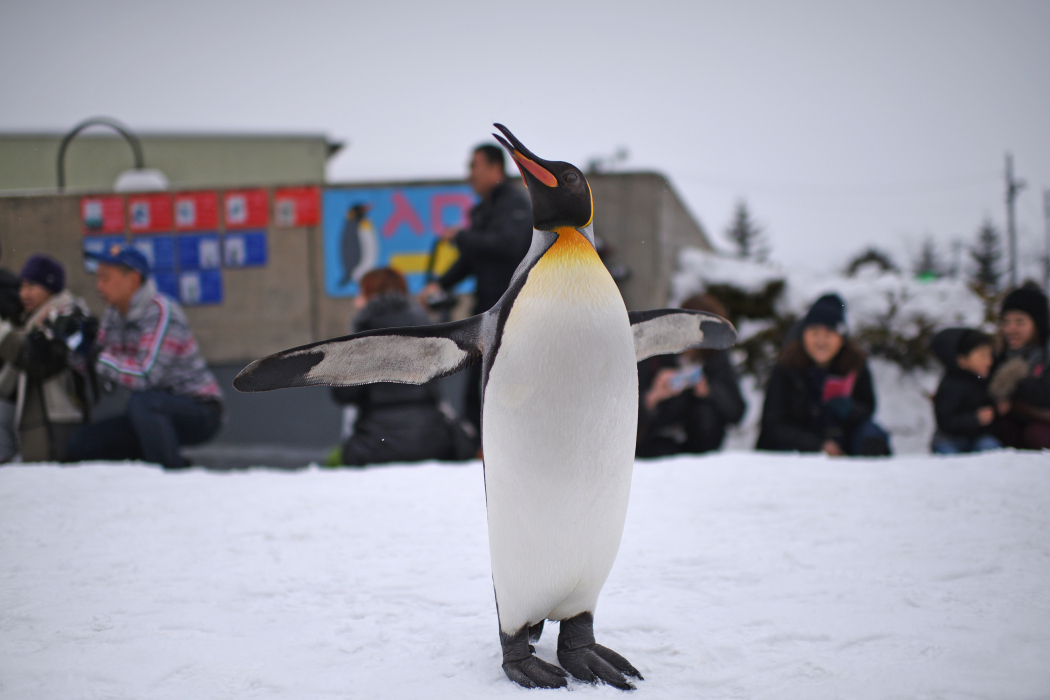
(740, 576)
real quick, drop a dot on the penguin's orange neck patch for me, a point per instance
(570, 271)
(571, 244)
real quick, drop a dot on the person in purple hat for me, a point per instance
(146, 345)
(42, 372)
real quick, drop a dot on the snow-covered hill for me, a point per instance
(740, 576)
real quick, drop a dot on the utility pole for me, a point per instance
(1013, 188)
(1046, 218)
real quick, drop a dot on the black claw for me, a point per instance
(523, 667)
(590, 662)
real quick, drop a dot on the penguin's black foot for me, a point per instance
(522, 665)
(588, 661)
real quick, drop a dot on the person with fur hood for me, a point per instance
(51, 397)
(1020, 379)
(820, 396)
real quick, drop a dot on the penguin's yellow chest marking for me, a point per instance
(570, 270)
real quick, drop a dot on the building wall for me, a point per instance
(93, 162)
(282, 305)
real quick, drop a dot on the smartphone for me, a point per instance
(687, 377)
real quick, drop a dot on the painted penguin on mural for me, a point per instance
(358, 246)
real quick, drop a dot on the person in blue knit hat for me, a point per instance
(820, 396)
(145, 344)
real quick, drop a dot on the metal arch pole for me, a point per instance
(133, 141)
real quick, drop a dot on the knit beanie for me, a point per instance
(830, 311)
(1032, 302)
(45, 271)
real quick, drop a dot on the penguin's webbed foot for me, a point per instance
(590, 662)
(525, 668)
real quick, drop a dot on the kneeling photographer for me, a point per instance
(46, 371)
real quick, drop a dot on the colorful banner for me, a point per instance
(246, 208)
(102, 214)
(297, 206)
(199, 251)
(244, 249)
(149, 213)
(365, 228)
(200, 287)
(196, 211)
(159, 252)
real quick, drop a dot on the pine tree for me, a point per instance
(929, 263)
(747, 236)
(987, 254)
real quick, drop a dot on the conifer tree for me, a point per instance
(747, 236)
(929, 263)
(987, 254)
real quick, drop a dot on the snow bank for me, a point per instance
(740, 576)
(869, 297)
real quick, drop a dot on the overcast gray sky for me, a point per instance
(843, 124)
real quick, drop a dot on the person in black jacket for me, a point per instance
(820, 396)
(688, 400)
(490, 247)
(395, 422)
(1020, 381)
(962, 406)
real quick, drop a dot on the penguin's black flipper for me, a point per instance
(671, 331)
(411, 355)
(588, 661)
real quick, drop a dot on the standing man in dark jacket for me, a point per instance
(490, 247)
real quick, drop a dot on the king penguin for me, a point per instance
(559, 356)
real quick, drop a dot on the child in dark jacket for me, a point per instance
(962, 406)
(820, 397)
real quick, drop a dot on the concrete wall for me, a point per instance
(283, 304)
(93, 162)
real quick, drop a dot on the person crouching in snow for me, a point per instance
(962, 406)
(820, 397)
(1020, 381)
(48, 382)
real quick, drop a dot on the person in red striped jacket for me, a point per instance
(146, 345)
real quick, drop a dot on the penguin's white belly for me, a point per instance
(560, 417)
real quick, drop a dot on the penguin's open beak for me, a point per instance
(525, 159)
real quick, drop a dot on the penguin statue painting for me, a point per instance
(559, 355)
(358, 246)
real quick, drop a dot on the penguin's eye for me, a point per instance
(571, 178)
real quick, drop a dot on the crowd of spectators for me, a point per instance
(56, 360)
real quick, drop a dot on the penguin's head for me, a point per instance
(559, 191)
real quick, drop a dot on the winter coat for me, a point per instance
(796, 416)
(961, 393)
(395, 422)
(490, 248)
(48, 393)
(1022, 376)
(153, 348)
(687, 422)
